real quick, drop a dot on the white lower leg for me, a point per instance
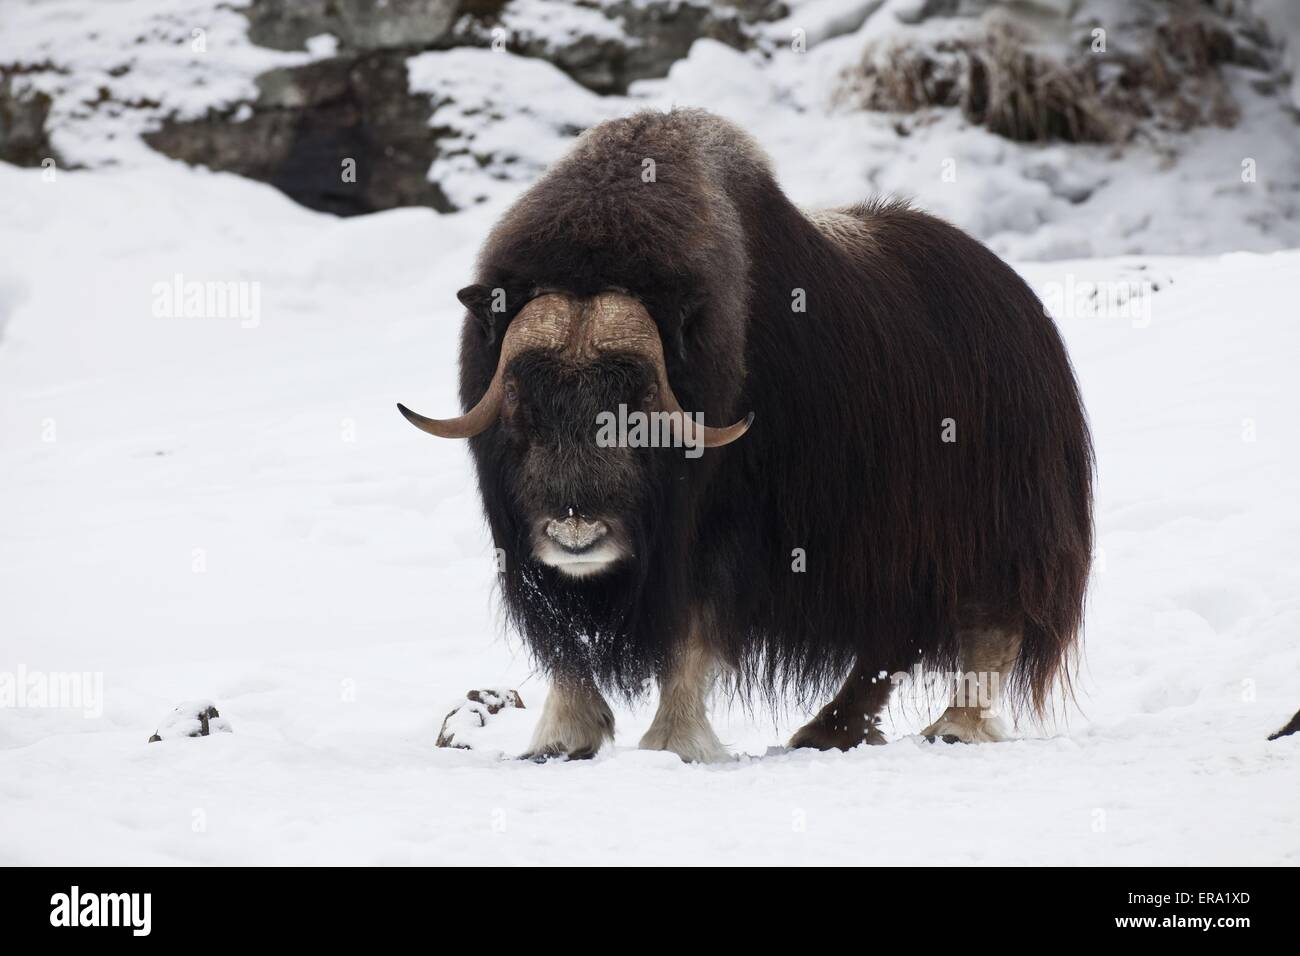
(987, 657)
(681, 723)
(575, 720)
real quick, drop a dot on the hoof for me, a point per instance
(542, 758)
(965, 725)
(555, 757)
(695, 745)
(820, 734)
(574, 724)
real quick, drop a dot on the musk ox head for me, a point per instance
(570, 368)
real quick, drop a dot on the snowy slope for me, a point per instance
(1209, 190)
(115, 68)
(343, 597)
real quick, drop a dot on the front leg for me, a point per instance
(576, 721)
(681, 723)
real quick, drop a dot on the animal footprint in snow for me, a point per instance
(466, 717)
(194, 718)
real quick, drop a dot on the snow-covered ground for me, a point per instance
(231, 508)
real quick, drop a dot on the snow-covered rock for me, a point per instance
(194, 718)
(462, 728)
(609, 44)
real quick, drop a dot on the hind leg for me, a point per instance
(987, 656)
(852, 717)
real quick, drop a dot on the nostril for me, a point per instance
(576, 533)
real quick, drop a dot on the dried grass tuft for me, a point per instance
(1000, 80)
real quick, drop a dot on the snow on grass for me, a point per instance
(1211, 190)
(202, 510)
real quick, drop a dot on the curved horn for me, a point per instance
(612, 322)
(622, 323)
(542, 323)
(476, 420)
(713, 437)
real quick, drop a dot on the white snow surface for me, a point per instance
(231, 509)
(340, 600)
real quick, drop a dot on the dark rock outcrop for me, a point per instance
(360, 26)
(24, 140)
(653, 37)
(308, 122)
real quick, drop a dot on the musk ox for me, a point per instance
(895, 473)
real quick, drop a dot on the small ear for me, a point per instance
(478, 299)
(688, 309)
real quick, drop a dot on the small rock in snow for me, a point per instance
(194, 718)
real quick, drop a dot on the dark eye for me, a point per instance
(512, 393)
(650, 396)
